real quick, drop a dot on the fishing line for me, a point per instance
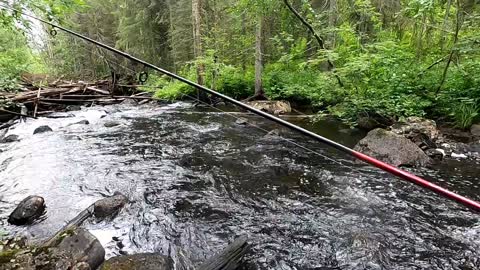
(276, 135)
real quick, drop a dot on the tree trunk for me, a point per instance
(197, 47)
(445, 21)
(332, 21)
(458, 26)
(171, 30)
(259, 59)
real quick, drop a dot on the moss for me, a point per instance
(7, 256)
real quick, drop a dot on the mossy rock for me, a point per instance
(146, 261)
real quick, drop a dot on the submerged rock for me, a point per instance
(392, 148)
(110, 206)
(82, 122)
(110, 124)
(241, 121)
(273, 107)
(42, 129)
(11, 138)
(146, 261)
(30, 209)
(436, 154)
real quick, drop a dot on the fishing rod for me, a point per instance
(370, 160)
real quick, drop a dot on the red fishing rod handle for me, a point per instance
(418, 181)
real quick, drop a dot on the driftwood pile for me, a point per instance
(57, 95)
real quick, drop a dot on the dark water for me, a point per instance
(197, 180)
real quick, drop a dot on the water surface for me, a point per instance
(197, 180)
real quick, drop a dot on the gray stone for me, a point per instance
(392, 148)
(241, 121)
(30, 209)
(146, 261)
(72, 108)
(418, 130)
(273, 107)
(42, 129)
(82, 246)
(82, 122)
(110, 124)
(11, 138)
(475, 130)
(110, 206)
(436, 154)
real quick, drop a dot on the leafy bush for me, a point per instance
(466, 113)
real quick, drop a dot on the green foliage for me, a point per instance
(15, 58)
(466, 112)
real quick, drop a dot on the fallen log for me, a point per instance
(230, 258)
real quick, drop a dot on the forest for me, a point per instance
(351, 59)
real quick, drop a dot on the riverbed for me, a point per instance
(197, 178)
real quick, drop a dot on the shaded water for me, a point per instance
(196, 180)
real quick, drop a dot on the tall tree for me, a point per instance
(198, 47)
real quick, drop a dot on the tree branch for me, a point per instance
(319, 39)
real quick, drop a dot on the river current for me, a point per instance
(196, 180)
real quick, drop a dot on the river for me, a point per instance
(197, 179)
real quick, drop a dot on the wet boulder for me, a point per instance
(11, 138)
(81, 247)
(423, 132)
(272, 107)
(475, 130)
(110, 124)
(30, 209)
(71, 108)
(109, 207)
(146, 261)
(82, 122)
(436, 154)
(241, 122)
(392, 148)
(42, 129)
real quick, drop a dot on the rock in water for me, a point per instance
(110, 124)
(475, 130)
(82, 122)
(42, 129)
(72, 108)
(273, 107)
(392, 148)
(82, 246)
(241, 122)
(30, 209)
(11, 138)
(110, 206)
(147, 261)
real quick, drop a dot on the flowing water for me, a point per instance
(196, 180)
